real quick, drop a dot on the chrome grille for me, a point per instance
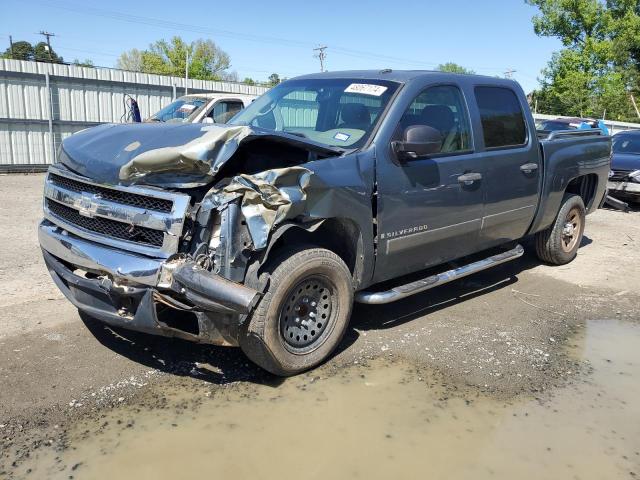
(144, 220)
(105, 226)
(118, 196)
(619, 175)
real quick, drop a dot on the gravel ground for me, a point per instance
(501, 332)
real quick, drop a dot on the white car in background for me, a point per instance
(203, 108)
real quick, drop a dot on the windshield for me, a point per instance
(626, 144)
(180, 110)
(334, 112)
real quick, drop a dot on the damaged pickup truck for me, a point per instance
(329, 188)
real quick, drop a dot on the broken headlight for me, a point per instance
(635, 176)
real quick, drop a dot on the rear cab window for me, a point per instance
(502, 118)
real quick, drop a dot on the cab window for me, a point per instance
(443, 109)
(223, 111)
(502, 117)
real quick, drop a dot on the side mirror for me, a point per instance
(418, 141)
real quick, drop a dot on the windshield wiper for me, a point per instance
(298, 134)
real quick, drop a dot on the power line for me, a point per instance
(150, 21)
(114, 15)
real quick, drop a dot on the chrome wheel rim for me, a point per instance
(571, 230)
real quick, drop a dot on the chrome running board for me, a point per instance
(403, 291)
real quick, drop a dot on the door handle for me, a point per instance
(469, 178)
(528, 167)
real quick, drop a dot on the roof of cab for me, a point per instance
(403, 76)
(217, 96)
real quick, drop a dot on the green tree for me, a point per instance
(599, 67)
(249, 81)
(274, 79)
(206, 60)
(21, 51)
(87, 63)
(41, 53)
(453, 68)
(131, 60)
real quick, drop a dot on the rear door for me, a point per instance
(427, 212)
(512, 164)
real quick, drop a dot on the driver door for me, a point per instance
(430, 208)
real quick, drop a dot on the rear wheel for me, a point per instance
(304, 313)
(559, 243)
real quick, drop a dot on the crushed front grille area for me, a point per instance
(107, 227)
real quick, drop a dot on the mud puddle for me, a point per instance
(377, 421)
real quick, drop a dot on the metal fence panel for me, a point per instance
(37, 112)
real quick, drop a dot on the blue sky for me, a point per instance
(489, 36)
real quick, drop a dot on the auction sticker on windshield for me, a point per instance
(187, 107)
(366, 89)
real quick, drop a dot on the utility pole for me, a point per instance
(509, 73)
(186, 75)
(48, 36)
(11, 45)
(321, 55)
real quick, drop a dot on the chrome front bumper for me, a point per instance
(99, 258)
(126, 289)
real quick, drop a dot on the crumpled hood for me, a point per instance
(164, 155)
(625, 161)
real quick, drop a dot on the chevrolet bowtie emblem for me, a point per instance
(87, 205)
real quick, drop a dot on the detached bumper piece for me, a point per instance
(145, 294)
(211, 292)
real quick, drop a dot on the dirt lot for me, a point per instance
(501, 335)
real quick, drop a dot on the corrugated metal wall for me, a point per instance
(41, 103)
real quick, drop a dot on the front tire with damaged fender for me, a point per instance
(303, 314)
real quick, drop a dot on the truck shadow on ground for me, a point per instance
(220, 365)
(381, 317)
(208, 363)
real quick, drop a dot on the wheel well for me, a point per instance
(584, 186)
(341, 236)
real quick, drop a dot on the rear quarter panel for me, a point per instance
(565, 159)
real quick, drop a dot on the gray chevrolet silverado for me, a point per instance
(328, 189)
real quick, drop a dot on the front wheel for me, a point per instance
(559, 243)
(303, 315)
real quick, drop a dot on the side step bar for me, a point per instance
(403, 291)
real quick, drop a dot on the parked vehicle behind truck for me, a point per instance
(624, 178)
(202, 108)
(327, 189)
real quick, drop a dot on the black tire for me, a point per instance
(313, 282)
(555, 245)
